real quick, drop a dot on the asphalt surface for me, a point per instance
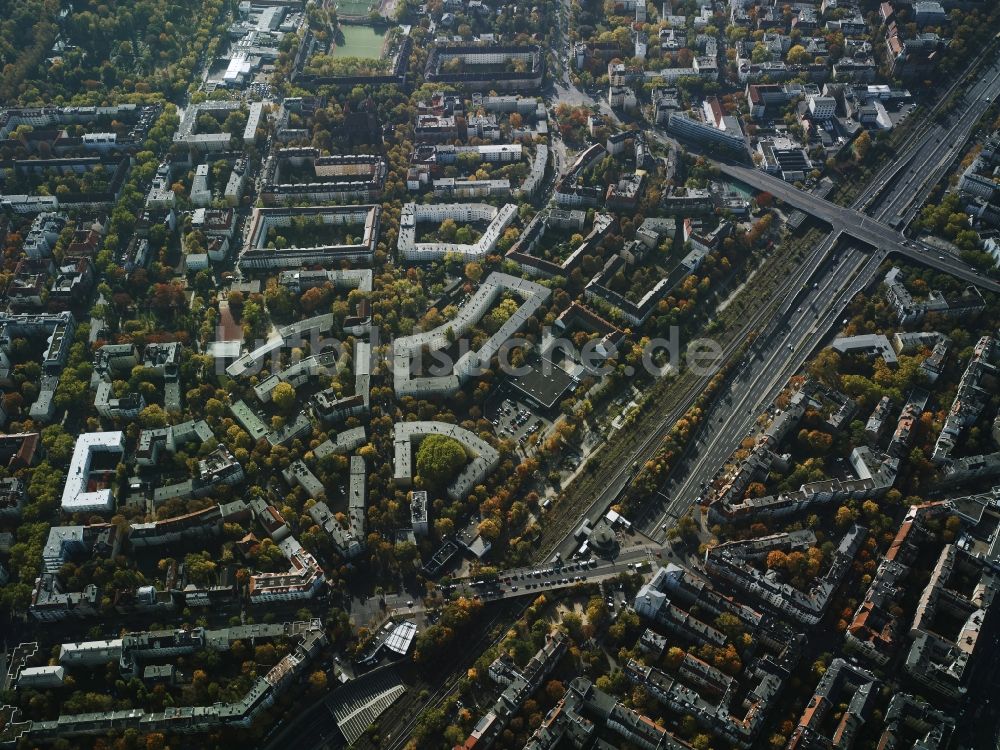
(827, 285)
(532, 581)
(902, 192)
(853, 224)
(800, 322)
(762, 374)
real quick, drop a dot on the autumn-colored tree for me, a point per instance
(554, 690)
(862, 145)
(797, 55)
(473, 271)
(265, 654)
(777, 560)
(825, 367)
(317, 681)
(489, 529)
(845, 516)
(312, 299)
(283, 397)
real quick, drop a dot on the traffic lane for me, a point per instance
(534, 588)
(548, 578)
(822, 289)
(752, 390)
(938, 140)
(931, 144)
(852, 223)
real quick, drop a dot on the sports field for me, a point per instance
(360, 41)
(353, 7)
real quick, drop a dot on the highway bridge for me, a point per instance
(854, 224)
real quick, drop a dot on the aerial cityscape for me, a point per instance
(471, 374)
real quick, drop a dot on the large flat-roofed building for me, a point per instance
(187, 132)
(544, 383)
(484, 457)
(71, 542)
(785, 158)
(406, 348)
(416, 213)
(487, 66)
(682, 125)
(77, 496)
(293, 175)
(300, 281)
(257, 255)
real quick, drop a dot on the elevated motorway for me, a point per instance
(898, 192)
(895, 194)
(806, 317)
(790, 334)
(854, 224)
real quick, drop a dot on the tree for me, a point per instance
(58, 444)
(265, 655)
(760, 53)
(439, 457)
(826, 368)
(447, 229)
(489, 529)
(554, 690)
(797, 55)
(845, 516)
(153, 416)
(818, 443)
(214, 407)
(776, 559)
(597, 612)
(862, 145)
(473, 271)
(283, 397)
(199, 568)
(317, 681)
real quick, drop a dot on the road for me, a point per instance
(519, 582)
(904, 187)
(783, 355)
(806, 312)
(854, 224)
(760, 377)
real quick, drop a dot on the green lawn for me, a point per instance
(360, 41)
(353, 7)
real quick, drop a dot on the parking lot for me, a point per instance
(515, 420)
